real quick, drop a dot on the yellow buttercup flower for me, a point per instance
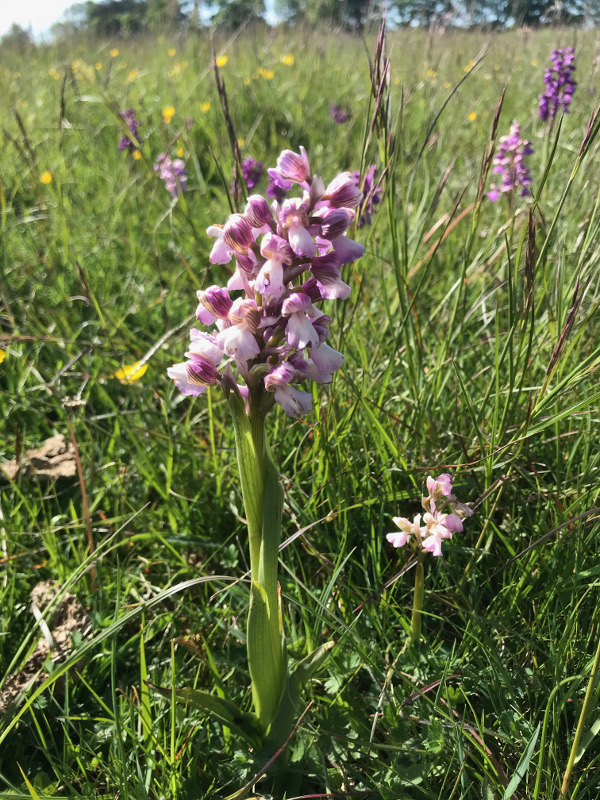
(46, 177)
(241, 142)
(132, 75)
(53, 73)
(268, 74)
(98, 65)
(288, 60)
(246, 81)
(136, 155)
(172, 51)
(472, 116)
(205, 107)
(131, 372)
(221, 61)
(114, 52)
(168, 114)
(2, 355)
(179, 152)
(447, 85)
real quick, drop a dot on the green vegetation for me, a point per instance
(471, 344)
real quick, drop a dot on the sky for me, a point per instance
(40, 14)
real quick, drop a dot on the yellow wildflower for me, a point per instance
(2, 355)
(205, 107)
(246, 81)
(82, 71)
(46, 177)
(472, 116)
(447, 85)
(179, 152)
(168, 114)
(268, 74)
(132, 75)
(53, 73)
(114, 52)
(288, 60)
(534, 63)
(172, 51)
(136, 155)
(241, 142)
(130, 372)
(221, 61)
(98, 65)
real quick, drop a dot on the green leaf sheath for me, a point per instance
(269, 558)
(263, 503)
(265, 657)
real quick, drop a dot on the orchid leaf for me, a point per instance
(241, 722)
(287, 711)
(265, 657)
(271, 534)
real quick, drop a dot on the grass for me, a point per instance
(471, 346)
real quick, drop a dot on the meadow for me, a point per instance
(471, 348)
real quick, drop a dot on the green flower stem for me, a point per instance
(415, 625)
(255, 521)
(252, 461)
(263, 503)
(581, 724)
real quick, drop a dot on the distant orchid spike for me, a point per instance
(133, 124)
(442, 518)
(371, 194)
(509, 162)
(559, 84)
(172, 173)
(252, 171)
(339, 114)
(285, 260)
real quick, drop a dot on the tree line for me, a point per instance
(111, 18)
(349, 14)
